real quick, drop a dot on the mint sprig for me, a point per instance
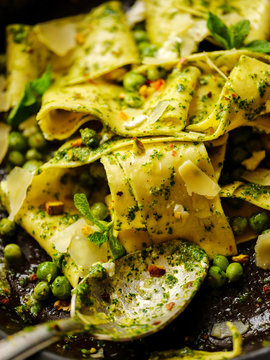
(31, 100)
(106, 231)
(233, 36)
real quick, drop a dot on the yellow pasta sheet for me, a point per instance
(183, 23)
(150, 194)
(203, 99)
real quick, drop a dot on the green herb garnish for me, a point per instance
(233, 36)
(31, 100)
(106, 231)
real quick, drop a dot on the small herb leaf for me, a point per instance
(81, 203)
(98, 238)
(31, 100)
(117, 249)
(262, 46)
(238, 33)
(219, 30)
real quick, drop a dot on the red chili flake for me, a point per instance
(183, 60)
(33, 277)
(156, 271)
(206, 336)
(230, 248)
(158, 84)
(209, 95)
(170, 305)
(156, 323)
(174, 153)
(266, 289)
(123, 116)
(4, 301)
(189, 284)
(233, 95)
(171, 146)
(77, 143)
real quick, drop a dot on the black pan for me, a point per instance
(245, 301)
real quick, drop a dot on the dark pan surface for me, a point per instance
(245, 301)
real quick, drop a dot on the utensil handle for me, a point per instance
(33, 339)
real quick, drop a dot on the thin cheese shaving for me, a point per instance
(197, 181)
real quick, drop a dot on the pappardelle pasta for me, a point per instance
(165, 141)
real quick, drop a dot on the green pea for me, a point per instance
(97, 271)
(239, 224)
(239, 154)
(241, 135)
(140, 35)
(97, 170)
(216, 277)
(32, 165)
(47, 271)
(37, 141)
(13, 254)
(132, 81)
(86, 179)
(100, 210)
(33, 154)
(156, 73)
(221, 261)
(61, 288)
(234, 272)
(259, 222)
(17, 141)
(133, 100)
(16, 158)
(235, 203)
(89, 137)
(7, 227)
(147, 49)
(267, 231)
(42, 291)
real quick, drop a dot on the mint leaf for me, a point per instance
(81, 203)
(238, 33)
(117, 249)
(219, 30)
(98, 238)
(262, 46)
(31, 100)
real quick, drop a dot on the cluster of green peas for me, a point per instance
(47, 273)
(145, 47)
(259, 223)
(133, 81)
(26, 152)
(221, 270)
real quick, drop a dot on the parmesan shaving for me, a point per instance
(136, 13)
(253, 162)
(4, 131)
(60, 39)
(213, 66)
(260, 176)
(137, 121)
(17, 190)
(158, 111)
(221, 331)
(262, 251)
(197, 181)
